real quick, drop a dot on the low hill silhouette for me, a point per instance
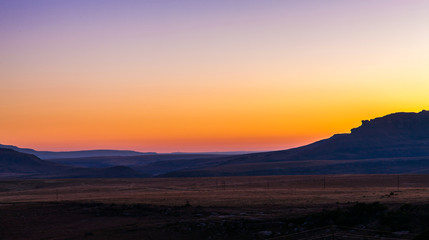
(15, 164)
(75, 154)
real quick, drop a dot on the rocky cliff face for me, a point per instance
(411, 125)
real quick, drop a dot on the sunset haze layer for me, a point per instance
(198, 76)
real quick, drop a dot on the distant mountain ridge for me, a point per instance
(395, 143)
(138, 161)
(76, 154)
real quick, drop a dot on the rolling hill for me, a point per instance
(131, 161)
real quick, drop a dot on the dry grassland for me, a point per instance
(294, 191)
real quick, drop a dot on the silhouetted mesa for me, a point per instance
(396, 143)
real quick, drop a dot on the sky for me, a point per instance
(195, 76)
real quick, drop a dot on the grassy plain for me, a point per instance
(306, 191)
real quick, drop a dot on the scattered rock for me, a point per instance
(202, 225)
(214, 214)
(265, 233)
(401, 233)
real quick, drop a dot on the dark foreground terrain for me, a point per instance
(275, 207)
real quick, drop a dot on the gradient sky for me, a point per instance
(205, 75)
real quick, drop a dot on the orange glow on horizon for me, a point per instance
(216, 76)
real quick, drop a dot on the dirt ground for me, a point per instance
(188, 208)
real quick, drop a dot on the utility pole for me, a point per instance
(397, 183)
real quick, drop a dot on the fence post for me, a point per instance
(324, 182)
